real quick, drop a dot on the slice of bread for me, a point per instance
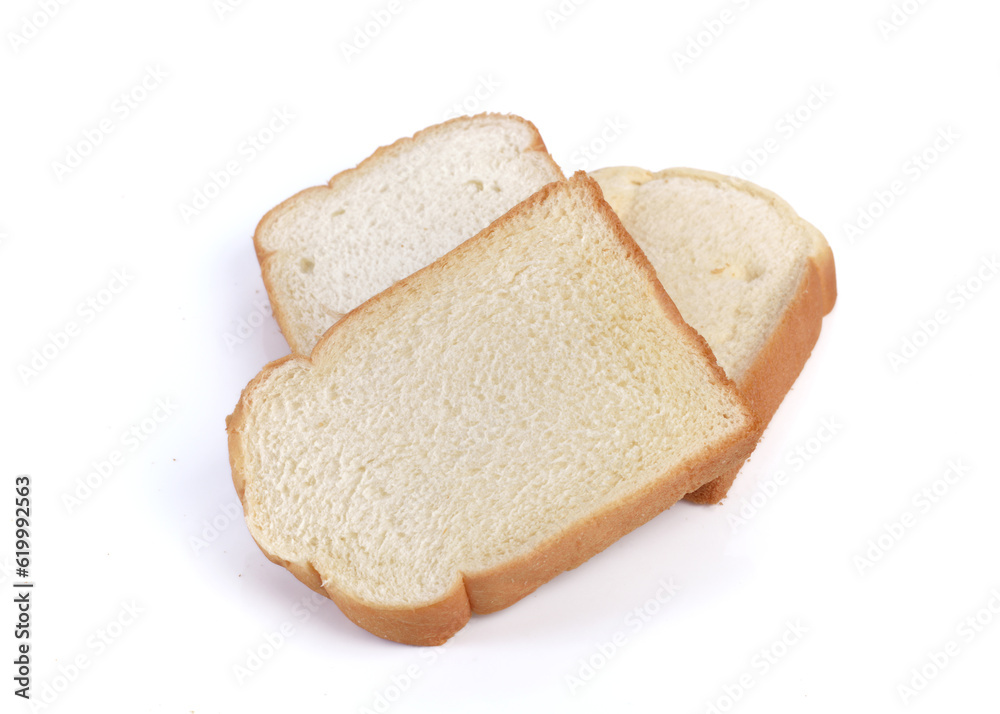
(329, 248)
(743, 268)
(484, 424)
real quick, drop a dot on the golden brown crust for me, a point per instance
(282, 317)
(428, 626)
(497, 588)
(778, 364)
(504, 585)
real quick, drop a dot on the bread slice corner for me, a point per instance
(329, 248)
(745, 270)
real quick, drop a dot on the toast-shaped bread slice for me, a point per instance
(494, 419)
(743, 268)
(329, 248)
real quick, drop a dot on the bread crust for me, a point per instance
(283, 318)
(781, 360)
(493, 589)
(777, 366)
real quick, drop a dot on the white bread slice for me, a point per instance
(484, 424)
(329, 248)
(743, 268)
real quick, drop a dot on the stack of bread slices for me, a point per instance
(496, 372)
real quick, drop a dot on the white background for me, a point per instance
(187, 329)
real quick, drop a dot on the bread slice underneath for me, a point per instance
(743, 268)
(329, 248)
(484, 424)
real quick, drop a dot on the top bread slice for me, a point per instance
(484, 424)
(329, 248)
(743, 268)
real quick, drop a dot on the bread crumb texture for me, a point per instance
(525, 383)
